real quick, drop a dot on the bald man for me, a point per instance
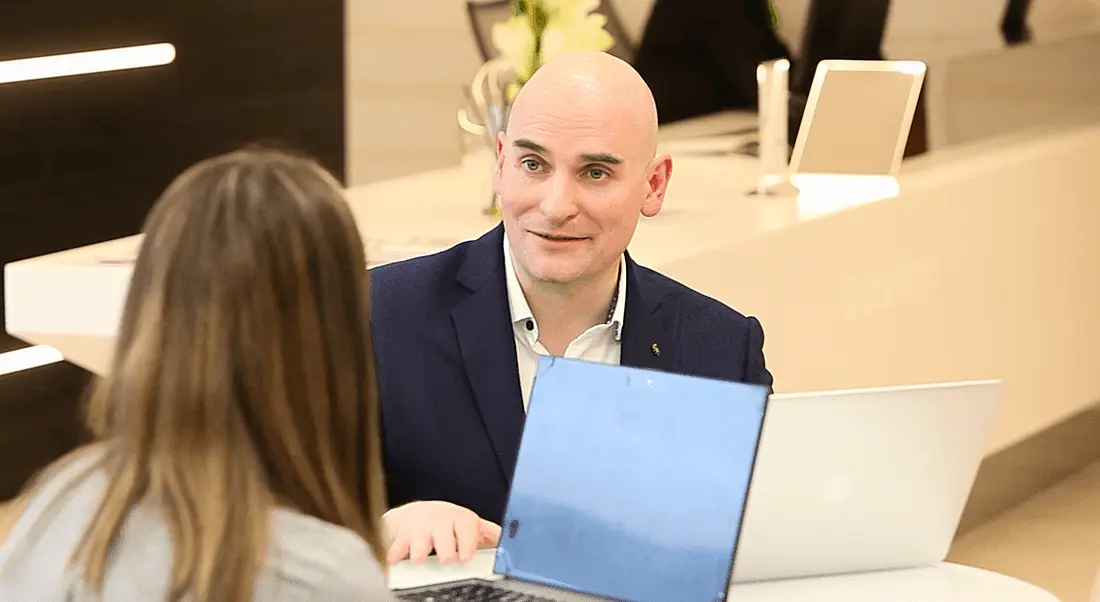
(458, 334)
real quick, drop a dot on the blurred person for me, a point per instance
(458, 334)
(237, 452)
(700, 56)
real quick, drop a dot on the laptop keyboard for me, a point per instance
(471, 592)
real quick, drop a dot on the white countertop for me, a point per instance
(932, 286)
(708, 207)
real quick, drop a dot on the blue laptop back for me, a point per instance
(631, 483)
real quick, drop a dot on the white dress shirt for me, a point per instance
(600, 343)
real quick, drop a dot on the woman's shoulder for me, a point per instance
(324, 558)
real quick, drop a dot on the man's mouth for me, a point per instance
(558, 237)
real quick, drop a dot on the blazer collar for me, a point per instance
(651, 321)
(484, 260)
(486, 341)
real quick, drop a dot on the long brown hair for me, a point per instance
(243, 377)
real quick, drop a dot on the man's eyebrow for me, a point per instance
(585, 157)
(601, 158)
(529, 145)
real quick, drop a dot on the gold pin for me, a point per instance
(656, 350)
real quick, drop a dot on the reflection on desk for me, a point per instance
(945, 582)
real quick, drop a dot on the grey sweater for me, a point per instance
(309, 560)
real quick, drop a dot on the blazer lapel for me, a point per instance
(484, 327)
(650, 324)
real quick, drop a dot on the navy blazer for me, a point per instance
(452, 412)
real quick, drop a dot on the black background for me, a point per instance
(83, 158)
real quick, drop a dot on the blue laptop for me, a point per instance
(630, 485)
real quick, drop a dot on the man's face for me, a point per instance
(572, 184)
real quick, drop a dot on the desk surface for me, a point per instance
(410, 216)
(709, 196)
(72, 300)
(945, 582)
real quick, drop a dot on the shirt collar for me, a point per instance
(521, 311)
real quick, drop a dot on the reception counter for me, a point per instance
(984, 266)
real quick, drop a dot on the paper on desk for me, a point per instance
(118, 254)
(722, 145)
(115, 260)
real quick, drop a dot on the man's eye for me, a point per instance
(531, 164)
(597, 173)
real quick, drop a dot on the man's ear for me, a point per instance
(500, 161)
(660, 171)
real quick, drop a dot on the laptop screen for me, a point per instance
(631, 483)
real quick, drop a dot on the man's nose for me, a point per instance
(559, 204)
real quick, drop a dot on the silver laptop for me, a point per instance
(863, 480)
(630, 484)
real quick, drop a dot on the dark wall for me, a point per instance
(83, 158)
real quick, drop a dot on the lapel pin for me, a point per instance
(656, 350)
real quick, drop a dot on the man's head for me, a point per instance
(577, 166)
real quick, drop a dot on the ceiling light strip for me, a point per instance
(81, 63)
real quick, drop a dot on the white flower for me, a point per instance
(570, 26)
(568, 35)
(516, 43)
(570, 8)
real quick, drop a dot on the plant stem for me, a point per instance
(537, 19)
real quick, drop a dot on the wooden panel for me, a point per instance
(83, 158)
(39, 420)
(401, 56)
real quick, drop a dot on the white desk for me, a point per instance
(973, 272)
(945, 582)
(72, 300)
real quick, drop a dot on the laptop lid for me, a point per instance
(630, 483)
(863, 480)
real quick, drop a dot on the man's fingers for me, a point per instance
(452, 532)
(420, 546)
(399, 550)
(443, 538)
(490, 533)
(468, 537)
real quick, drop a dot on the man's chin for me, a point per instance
(556, 280)
(557, 277)
(554, 269)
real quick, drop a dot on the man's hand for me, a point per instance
(417, 528)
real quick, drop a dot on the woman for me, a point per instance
(238, 454)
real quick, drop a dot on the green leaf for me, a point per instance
(539, 17)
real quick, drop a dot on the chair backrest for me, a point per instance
(485, 13)
(623, 48)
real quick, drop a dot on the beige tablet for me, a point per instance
(857, 119)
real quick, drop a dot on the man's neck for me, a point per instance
(564, 312)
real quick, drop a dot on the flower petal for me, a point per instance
(516, 43)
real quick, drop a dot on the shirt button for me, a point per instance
(530, 324)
